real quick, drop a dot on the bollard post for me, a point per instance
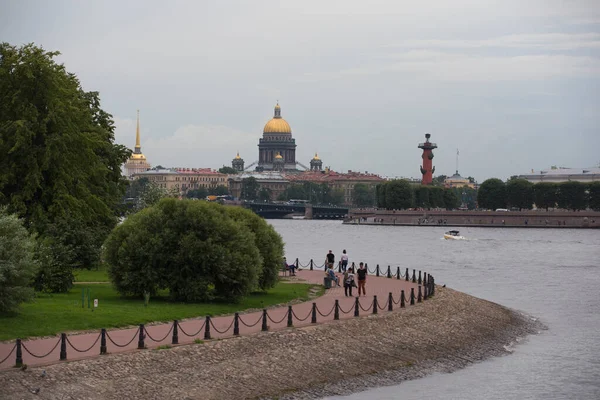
(103, 341)
(207, 328)
(297, 264)
(89, 298)
(425, 290)
(414, 278)
(390, 302)
(406, 275)
(377, 270)
(236, 324)
(313, 319)
(402, 300)
(424, 278)
(420, 295)
(19, 360)
(389, 274)
(175, 337)
(339, 266)
(264, 321)
(311, 264)
(353, 267)
(141, 344)
(432, 285)
(63, 346)
(412, 296)
(398, 273)
(420, 280)
(336, 313)
(356, 305)
(290, 320)
(375, 305)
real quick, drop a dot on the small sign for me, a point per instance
(95, 303)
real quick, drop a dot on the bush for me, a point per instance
(17, 263)
(492, 194)
(55, 273)
(194, 249)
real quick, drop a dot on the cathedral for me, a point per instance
(277, 148)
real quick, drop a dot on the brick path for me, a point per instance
(380, 286)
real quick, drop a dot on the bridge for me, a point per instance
(308, 211)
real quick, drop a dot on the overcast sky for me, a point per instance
(515, 85)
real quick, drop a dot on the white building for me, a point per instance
(558, 175)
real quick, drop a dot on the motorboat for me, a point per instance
(453, 235)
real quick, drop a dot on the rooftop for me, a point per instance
(565, 171)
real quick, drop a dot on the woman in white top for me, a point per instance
(344, 260)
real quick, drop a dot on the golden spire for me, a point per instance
(237, 157)
(277, 110)
(138, 146)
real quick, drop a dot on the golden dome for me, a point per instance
(277, 124)
(138, 156)
(316, 157)
(278, 157)
(237, 157)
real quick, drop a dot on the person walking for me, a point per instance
(344, 259)
(330, 259)
(348, 282)
(362, 279)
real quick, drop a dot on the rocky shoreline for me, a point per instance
(443, 334)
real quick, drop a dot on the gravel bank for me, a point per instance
(444, 333)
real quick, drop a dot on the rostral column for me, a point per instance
(427, 169)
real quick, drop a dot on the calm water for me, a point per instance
(551, 274)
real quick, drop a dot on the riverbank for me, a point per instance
(444, 333)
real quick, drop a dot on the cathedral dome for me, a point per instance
(139, 156)
(277, 124)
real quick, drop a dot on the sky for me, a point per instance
(514, 85)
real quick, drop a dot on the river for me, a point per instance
(553, 275)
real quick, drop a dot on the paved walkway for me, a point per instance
(157, 335)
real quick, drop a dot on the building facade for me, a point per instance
(277, 141)
(137, 163)
(275, 182)
(183, 179)
(238, 163)
(558, 175)
(456, 180)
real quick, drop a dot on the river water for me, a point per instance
(553, 275)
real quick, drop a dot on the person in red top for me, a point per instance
(362, 279)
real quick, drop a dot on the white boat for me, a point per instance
(453, 235)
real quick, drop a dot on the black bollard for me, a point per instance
(207, 328)
(398, 273)
(236, 324)
(412, 296)
(377, 270)
(425, 290)
(424, 278)
(402, 300)
(19, 360)
(390, 302)
(375, 305)
(297, 264)
(336, 313)
(141, 337)
(356, 305)
(311, 264)
(63, 346)
(420, 295)
(389, 274)
(175, 337)
(313, 319)
(414, 278)
(420, 280)
(290, 320)
(406, 275)
(103, 341)
(339, 267)
(264, 321)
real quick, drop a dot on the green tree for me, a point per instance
(571, 195)
(199, 193)
(492, 194)
(219, 190)
(545, 195)
(59, 160)
(436, 196)
(438, 180)
(228, 170)
(380, 195)
(264, 194)
(519, 194)
(422, 193)
(363, 195)
(17, 263)
(594, 196)
(250, 188)
(399, 195)
(335, 197)
(192, 248)
(451, 200)
(151, 195)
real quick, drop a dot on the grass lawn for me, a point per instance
(50, 314)
(91, 275)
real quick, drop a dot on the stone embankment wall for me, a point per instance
(496, 219)
(447, 332)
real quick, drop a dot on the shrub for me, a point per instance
(55, 273)
(17, 263)
(192, 248)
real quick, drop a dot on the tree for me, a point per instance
(519, 194)
(380, 195)
(466, 197)
(59, 160)
(422, 193)
(436, 196)
(438, 180)
(363, 195)
(219, 190)
(451, 200)
(199, 193)
(492, 194)
(264, 194)
(399, 195)
(17, 263)
(228, 170)
(571, 195)
(192, 248)
(594, 196)
(250, 187)
(335, 197)
(545, 195)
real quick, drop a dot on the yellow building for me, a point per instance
(456, 181)
(184, 179)
(137, 163)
